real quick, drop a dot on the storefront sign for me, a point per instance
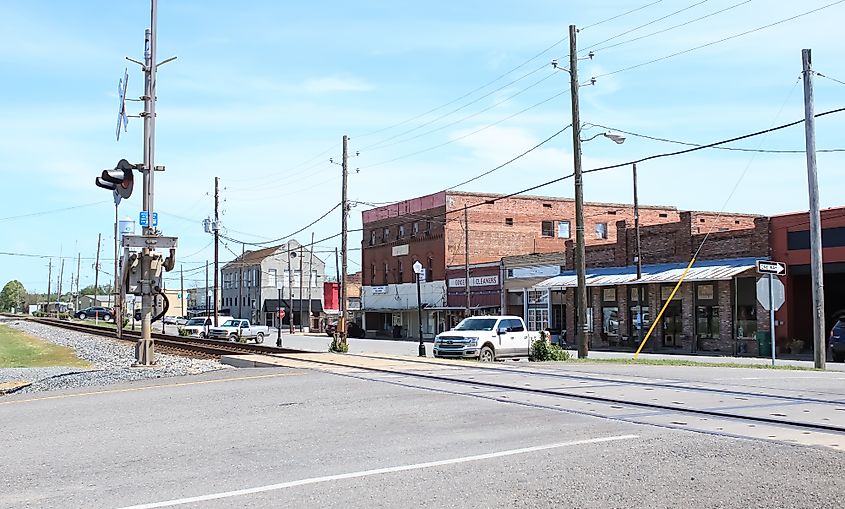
(666, 291)
(400, 250)
(705, 292)
(609, 294)
(474, 281)
(379, 290)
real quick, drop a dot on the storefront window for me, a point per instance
(610, 320)
(707, 322)
(538, 310)
(746, 308)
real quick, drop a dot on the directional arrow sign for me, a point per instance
(771, 267)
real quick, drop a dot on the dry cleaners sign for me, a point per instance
(474, 281)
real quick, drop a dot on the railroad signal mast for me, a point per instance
(142, 267)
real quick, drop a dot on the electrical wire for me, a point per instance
(832, 79)
(53, 211)
(736, 149)
(728, 38)
(280, 239)
(685, 23)
(597, 23)
(467, 135)
(645, 24)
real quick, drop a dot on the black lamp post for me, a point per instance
(419, 271)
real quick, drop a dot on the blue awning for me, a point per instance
(705, 270)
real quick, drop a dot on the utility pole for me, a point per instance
(240, 280)
(466, 258)
(216, 246)
(580, 262)
(206, 308)
(816, 263)
(49, 284)
(301, 279)
(310, 283)
(118, 314)
(61, 277)
(337, 267)
(97, 270)
(639, 258)
(78, 268)
(182, 289)
(290, 286)
(344, 205)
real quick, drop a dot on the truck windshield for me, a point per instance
(196, 321)
(476, 324)
(231, 323)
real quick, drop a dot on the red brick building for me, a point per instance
(790, 243)
(432, 230)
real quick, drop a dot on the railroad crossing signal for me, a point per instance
(119, 180)
(771, 267)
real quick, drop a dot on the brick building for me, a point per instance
(432, 230)
(790, 243)
(715, 309)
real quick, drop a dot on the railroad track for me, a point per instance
(185, 346)
(764, 400)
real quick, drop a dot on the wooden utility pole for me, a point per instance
(216, 228)
(301, 279)
(816, 264)
(344, 206)
(241, 280)
(310, 283)
(49, 284)
(97, 270)
(580, 259)
(290, 286)
(78, 268)
(466, 259)
(182, 289)
(61, 278)
(639, 259)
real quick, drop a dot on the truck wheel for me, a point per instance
(487, 355)
(202, 335)
(233, 337)
(259, 338)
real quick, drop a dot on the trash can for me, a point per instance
(764, 344)
(397, 332)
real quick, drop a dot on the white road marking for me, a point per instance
(378, 471)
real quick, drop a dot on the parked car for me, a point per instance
(170, 320)
(837, 340)
(353, 330)
(199, 325)
(95, 312)
(236, 329)
(486, 338)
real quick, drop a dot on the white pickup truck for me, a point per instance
(486, 338)
(239, 330)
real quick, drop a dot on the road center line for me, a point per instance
(377, 471)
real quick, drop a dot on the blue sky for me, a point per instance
(262, 93)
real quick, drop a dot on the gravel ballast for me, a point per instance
(111, 362)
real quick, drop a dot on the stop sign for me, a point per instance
(281, 313)
(763, 293)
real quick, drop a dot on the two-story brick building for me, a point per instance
(445, 229)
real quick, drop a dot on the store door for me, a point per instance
(673, 325)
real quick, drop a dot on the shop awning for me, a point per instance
(705, 270)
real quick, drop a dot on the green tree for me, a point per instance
(12, 296)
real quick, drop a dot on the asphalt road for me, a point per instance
(300, 438)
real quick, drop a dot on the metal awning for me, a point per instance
(706, 270)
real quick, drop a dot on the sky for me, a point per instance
(430, 94)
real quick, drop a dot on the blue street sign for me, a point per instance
(144, 219)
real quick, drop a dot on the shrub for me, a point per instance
(182, 331)
(542, 350)
(338, 347)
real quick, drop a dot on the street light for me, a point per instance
(420, 272)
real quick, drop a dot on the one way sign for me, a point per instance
(771, 267)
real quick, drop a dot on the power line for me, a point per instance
(53, 211)
(597, 23)
(832, 79)
(685, 23)
(635, 66)
(467, 135)
(532, 149)
(735, 149)
(646, 24)
(285, 236)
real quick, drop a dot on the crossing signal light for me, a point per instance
(119, 180)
